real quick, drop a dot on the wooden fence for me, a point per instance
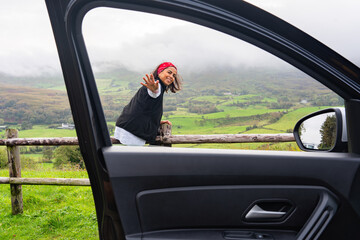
(12, 142)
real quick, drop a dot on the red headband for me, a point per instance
(165, 65)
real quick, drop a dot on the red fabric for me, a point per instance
(165, 65)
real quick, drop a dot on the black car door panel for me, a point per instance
(228, 207)
(159, 189)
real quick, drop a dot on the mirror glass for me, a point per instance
(319, 132)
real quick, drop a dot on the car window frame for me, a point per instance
(278, 39)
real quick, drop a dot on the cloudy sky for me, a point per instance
(139, 41)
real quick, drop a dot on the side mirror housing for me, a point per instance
(324, 130)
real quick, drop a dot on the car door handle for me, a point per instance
(257, 212)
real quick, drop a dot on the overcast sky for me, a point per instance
(139, 41)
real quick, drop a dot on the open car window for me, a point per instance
(229, 86)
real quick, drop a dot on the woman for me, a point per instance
(140, 119)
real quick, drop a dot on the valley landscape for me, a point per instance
(215, 101)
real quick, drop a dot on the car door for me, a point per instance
(172, 193)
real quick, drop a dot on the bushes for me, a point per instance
(26, 126)
(63, 157)
(28, 163)
(204, 109)
(48, 153)
(67, 156)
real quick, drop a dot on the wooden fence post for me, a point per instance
(14, 171)
(165, 131)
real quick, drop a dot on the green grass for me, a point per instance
(204, 130)
(225, 98)
(60, 88)
(192, 125)
(261, 130)
(289, 120)
(40, 131)
(240, 113)
(213, 123)
(36, 156)
(50, 212)
(50, 173)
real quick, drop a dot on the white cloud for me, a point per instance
(139, 40)
(27, 45)
(142, 39)
(333, 22)
(189, 45)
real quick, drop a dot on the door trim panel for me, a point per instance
(226, 206)
(134, 170)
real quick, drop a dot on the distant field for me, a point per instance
(39, 131)
(223, 99)
(289, 120)
(240, 113)
(36, 156)
(217, 123)
(202, 123)
(60, 88)
(263, 130)
(233, 120)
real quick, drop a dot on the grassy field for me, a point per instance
(40, 131)
(289, 120)
(50, 212)
(231, 121)
(36, 156)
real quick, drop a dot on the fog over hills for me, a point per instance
(228, 77)
(212, 80)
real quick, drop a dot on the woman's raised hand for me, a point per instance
(150, 83)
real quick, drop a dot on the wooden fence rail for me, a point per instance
(165, 138)
(45, 181)
(172, 139)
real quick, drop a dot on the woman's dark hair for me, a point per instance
(175, 86)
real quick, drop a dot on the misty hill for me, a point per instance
(39, 106)
(40, 81)
(43, 99)
(218, 79)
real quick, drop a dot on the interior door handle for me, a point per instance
(257, 212)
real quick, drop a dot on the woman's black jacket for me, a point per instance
(142, 115)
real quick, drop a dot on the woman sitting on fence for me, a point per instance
(140, 119)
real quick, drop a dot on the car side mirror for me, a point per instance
(324, 130)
